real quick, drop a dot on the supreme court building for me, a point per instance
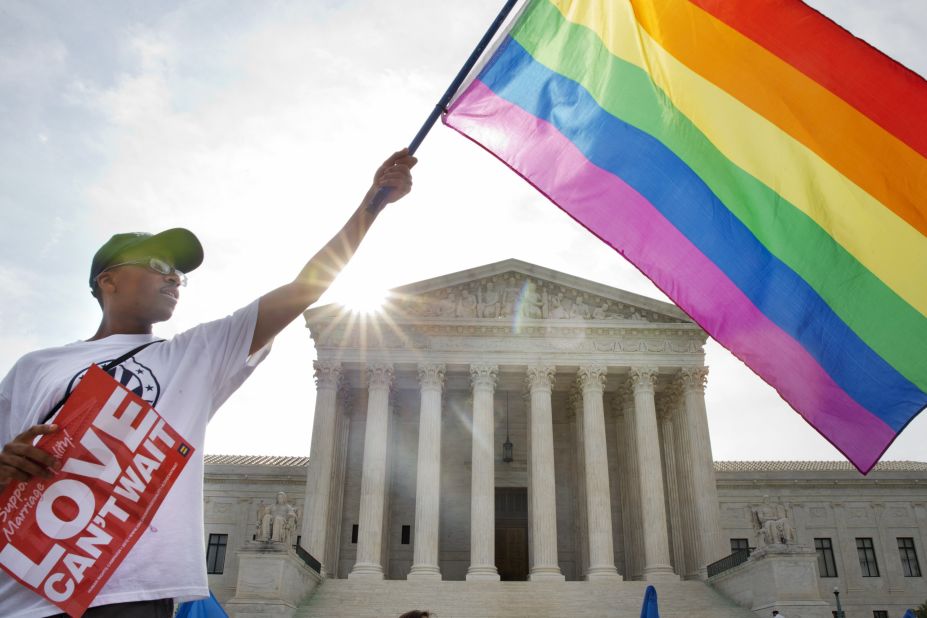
(511, 423)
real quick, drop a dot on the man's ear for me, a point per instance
(106, 282)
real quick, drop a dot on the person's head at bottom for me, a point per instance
(417, 613)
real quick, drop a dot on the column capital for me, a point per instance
(540, 377)
(693, 378)
(591, 378)
(327, 374)
(379, 375)
(484, 375)
(642, 378)
(431, 375)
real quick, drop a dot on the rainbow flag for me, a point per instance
(758, 163)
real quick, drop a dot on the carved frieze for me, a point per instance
(513, 295)
(464, 337)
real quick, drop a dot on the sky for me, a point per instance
(258, 125)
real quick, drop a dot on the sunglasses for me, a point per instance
(155, 264)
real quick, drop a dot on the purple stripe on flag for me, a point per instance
(624, 219)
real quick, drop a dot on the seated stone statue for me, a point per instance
(277, 522)
(772, 525)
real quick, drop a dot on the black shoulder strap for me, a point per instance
(108, 368)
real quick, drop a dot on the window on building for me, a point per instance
(879, 613)
(867, 558)
(826, 565)
(354, 533)
(739, 545)
(406, 534)
(215, 553)
(909, 563)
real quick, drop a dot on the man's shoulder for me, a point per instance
(44, 355)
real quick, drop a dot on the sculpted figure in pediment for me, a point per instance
(509, 297)
(467, 306)
(557, 312)
(446, 307)
(489, 303)
(580, 310)
(532, 303)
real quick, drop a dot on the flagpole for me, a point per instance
(376, 204)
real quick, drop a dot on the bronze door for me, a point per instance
(512, 533)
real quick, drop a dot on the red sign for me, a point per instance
(64, 537)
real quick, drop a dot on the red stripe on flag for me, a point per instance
(889, 93)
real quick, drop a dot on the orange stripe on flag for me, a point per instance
(874, 159)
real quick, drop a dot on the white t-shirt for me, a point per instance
(186, 379)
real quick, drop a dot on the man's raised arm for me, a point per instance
(283, 305)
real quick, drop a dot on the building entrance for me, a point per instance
(512, 533)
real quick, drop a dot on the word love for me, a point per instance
(120, 459)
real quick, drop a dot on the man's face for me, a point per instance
(138, 291)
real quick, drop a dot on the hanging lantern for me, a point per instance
(507, 445)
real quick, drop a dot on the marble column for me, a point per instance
(630, 486)
(336, 502)
(321, 464)
(428, 476)
(650, 475)
(581, 532)
(483, 477)
(591, 381)
(705, 487)
(685, 486)
(373, 475)
(543, 489)
(667, 435)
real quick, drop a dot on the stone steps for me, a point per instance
(455, 599)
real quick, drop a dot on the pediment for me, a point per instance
(513, 289)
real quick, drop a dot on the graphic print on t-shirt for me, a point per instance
(133, 375)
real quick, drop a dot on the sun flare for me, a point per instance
(364, 299)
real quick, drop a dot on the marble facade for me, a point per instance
(602, 394)
(423, 385)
